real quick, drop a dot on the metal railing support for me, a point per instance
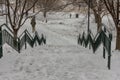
(1, 48)
(25, 40)
(18, 45)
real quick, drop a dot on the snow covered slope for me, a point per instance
(61, 58)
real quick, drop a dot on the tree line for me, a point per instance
(18, 11)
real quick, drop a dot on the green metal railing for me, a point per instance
(6, 36)
(102, 37)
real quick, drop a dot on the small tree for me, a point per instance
(16, 13)
(113, 8)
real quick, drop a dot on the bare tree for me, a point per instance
(52, 5)
(16, 12)
(99, 10)
(113, 7)
(47, 5)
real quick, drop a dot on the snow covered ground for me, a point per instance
(61, 58)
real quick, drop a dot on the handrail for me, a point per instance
(6, 27)
(94, 37)
(21, 40)
(9, 33)
(36, 33)
(28, 34)
(101, 37)
(22, 34)
(85, 38)
(106, 28)
(22, 37)
(9, 43)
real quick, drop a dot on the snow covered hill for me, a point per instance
(61, 58)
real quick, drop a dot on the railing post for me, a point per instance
(110, 36)
(103, 52)
(1, 49)
(104, 44)
(18, 45)
(89, 5)
(44, 39)
(25, 40)
(83, 43)
(109, 58)
(89, 39)
(109, 52)
(35, 41)
(79, 39)
(109, 61)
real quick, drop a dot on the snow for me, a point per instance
(61, 58)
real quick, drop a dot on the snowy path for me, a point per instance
(58, 34)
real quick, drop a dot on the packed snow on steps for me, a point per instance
(60, 59)
(58, 62)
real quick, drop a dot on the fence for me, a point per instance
(102, 37)
(6, 36)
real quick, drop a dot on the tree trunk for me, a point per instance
(45, 15)
(98, 20)
(15, 37)
(118, 39)
(33, 29)
(95, 17)
(33, 23)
